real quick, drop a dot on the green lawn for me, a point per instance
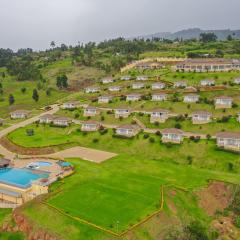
(208, 155)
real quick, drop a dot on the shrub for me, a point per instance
(29, 132)
(178, 126)
(95, 140)
(158, 133)
(151, 140)
(237, 221)
(76, 115)
(145, 136)
(102, 118)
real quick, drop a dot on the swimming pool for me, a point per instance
(21, 178)
(43, 164)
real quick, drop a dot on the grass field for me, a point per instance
(208, 155)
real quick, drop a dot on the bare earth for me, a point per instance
(89, 154)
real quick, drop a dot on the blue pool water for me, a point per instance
(19, 177)
(43, 164)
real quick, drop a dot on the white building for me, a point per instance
(172, 135)
(114, 88)
(207, 82)
(92, 89)
(180, 84)
(138, 85)
(107, 80)
(159, 85)
(133, 97)
(90, 112)
(223, 102)
(104, 99)
(126, 78)
(159, 115)
(47, 118)
(127, 130)
(229, 140)
(70, 105)
(90, 126)
(159, 97)
(122, 112)
(237, 80)
(191, 98)
(142, 78)
(19, 114)
(62, 121)
(201, 117)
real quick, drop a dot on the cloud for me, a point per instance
(34, 23)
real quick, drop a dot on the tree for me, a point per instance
(11, 99)
(52, 44)
(23, 89)
(35, 95)
(208, 37)
(62, 81)
(229, 38)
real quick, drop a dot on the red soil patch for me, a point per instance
(226, 228)
(216, 196)
(24, 151)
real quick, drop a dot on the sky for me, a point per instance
(35, 23)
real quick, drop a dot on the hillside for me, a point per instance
(193, 33)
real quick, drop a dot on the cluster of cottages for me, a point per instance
(220, 101)
(154, 86)
(207, 65)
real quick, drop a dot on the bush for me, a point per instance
(76, 115)
(29, 132)
(237, 221)
(178, 126)
(158, 133)
(145, 136)
(152, 140)
(95, 140)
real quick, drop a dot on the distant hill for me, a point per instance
(193, 33)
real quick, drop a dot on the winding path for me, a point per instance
(5, 152)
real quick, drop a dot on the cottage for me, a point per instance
(228, 140)
(207, 65)
(122, 112)
(142, 78)
(114, 88)
(223, 102)
(70, 105)
(207, 82)
(180, 84)
(47, 118)
(126, 78)
(107, 80)
(92, 89)
(172, 135)
(159, 97)
(90, 112)
(127, 130)
(201, 117)
(138, 85)
(104, 99)
(159, 85)
(237, 80)
(159, 115)
(19, 114)
(62, 121)
(191, 98)
(133, 97)
(90, 126)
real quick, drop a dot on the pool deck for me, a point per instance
(54, 170)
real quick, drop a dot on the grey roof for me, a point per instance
(172, 130)
(235, 135)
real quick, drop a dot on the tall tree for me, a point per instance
(11, 99)
(208, 37)
(35, 95)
